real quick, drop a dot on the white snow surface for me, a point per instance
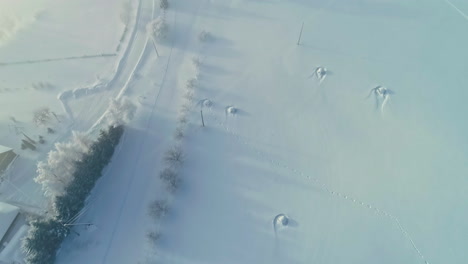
(362, 179)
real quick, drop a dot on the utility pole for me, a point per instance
(201, 114)
(69, 228)
(300, 34)
(86, 224)
(154, 45)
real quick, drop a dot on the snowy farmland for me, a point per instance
(266, 131)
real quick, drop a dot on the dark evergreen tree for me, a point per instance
(43, 240)
(46, 235)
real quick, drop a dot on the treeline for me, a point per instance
(46, 234)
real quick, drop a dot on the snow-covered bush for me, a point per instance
(186, 108)
(183, 119)
(86, 172)
(189, 95)
(179, 133)
(120, 111)
(153, 236)
(191, 83)
(158, 29)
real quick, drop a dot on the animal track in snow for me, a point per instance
(326, 189)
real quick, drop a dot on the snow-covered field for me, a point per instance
(368, 157)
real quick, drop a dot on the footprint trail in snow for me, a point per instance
(323, 186)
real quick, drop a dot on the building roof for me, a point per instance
(4, 149)
(8, 214)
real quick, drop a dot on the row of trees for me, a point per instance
(173, 160)
(46, 234)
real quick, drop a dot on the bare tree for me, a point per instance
(183, 119)
(153, 236)
(179, 133)
(174, 156)
(158, 209)
(171, 179)
(164, 4)
(56, 172)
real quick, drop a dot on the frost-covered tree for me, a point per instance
(153, 236)
(120, 111)
(158, 29)
(56, 172)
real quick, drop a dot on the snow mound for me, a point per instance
(280, 220)
(231, 110)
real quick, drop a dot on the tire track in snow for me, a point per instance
(465, 16)
(163, 81)
(328, 190)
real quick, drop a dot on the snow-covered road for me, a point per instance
(118, 206)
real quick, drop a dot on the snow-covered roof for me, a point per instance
(4, 149)
(8, 214)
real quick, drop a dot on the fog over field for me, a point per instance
(256, 131)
